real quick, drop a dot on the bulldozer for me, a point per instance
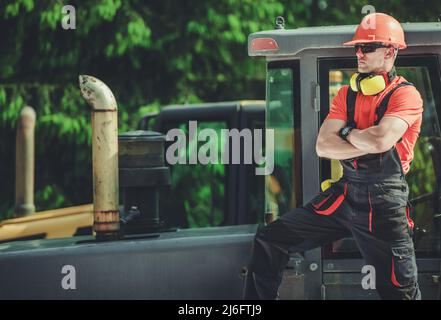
(142, 248)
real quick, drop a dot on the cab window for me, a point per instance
(283, 185)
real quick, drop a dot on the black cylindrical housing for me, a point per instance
(141, 173)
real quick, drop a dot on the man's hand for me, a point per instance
(380, 138)
(330, 145)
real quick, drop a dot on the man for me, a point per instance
(371, 128)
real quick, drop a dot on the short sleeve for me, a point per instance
(406, 104)
(338, 105)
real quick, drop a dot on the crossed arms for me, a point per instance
(375, 139)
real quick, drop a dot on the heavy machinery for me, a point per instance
(233, 188)
(304, 68)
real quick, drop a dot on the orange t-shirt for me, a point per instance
(405, 103)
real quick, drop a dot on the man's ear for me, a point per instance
(390, 53)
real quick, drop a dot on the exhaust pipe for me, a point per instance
(24, 163)
(105, 156)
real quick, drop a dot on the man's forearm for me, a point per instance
(366, 140)
(336, 148)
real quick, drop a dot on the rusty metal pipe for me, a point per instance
(24, 163)
(105, 156)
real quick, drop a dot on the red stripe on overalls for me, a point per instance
(393, 278)
(335, 205)
(318, 205)
(370, 213)
(409, 219)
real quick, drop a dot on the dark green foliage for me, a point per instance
(150, 53)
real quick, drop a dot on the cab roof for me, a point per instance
(294, 41)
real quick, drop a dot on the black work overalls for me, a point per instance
(370, 202)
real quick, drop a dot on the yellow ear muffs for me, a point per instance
(353, 82)
(369, 85)
(372, 85)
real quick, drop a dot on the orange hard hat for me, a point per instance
(379, 27)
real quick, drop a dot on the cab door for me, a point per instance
(284, 185)
(342, 261)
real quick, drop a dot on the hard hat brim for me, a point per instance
(359, 41)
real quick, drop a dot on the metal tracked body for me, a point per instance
(188, 264)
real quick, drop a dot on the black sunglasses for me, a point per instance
(369, 47)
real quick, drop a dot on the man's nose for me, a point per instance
(358, 53)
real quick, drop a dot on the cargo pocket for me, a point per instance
(327, 202)
(403, 271)
(390, 225)
(389, 196)
(393, 189)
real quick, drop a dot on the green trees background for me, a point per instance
(150, 53)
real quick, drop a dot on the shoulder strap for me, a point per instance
(382, 108)
(351, 97)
